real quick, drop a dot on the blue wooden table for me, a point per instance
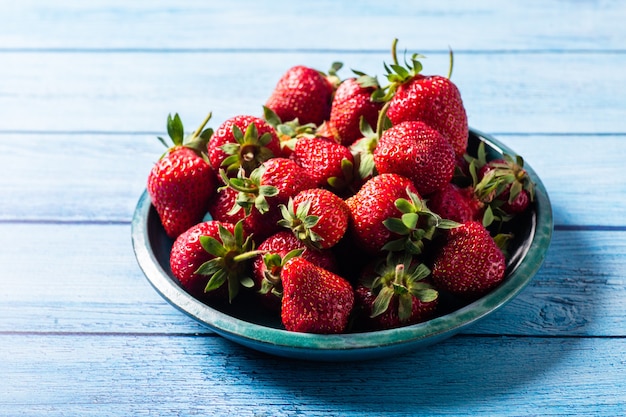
(85, 88)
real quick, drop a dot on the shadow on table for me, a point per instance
(466, 370)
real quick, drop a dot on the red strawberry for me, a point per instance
(363, 152)
(271, 184)
(455, 203)
(395, 293)
(353, 101)
(290, 131)
(223, 207)
(388, 214)
(243, 141)
(432, 99)
(418, 152)
(510, 182)
(302, 93)
(276, 251)
(182, 182)
(502, 184)
(470, 263)
(260, 195)
(330, 164)
(317, 217)
(314, 300)
(211, 259)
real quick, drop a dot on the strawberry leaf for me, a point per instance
(381, 303)
(233, 287)
(405, 306)
(404, 205)
(216, 281)
(488, 216)
(228, 240)
(396, 225)
(426, 295)
(209, 267)
(410, 220)
(246, 282)
(447, 224)
(175, 129)
(212, 246)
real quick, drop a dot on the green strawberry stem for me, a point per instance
(381, 121)
(230, 263)
(200, 128)
(394, 54)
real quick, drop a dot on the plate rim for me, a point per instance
(342, 346)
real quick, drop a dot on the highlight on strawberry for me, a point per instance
(346, 205)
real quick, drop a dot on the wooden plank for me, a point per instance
(467, 376)
(83, 177)
(134, 92)
(86, 280)
(486, 24)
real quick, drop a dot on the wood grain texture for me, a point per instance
(99, 178)
(247, 24)
(134, 92)
(87, 281)
(206, 375)
(86, 86)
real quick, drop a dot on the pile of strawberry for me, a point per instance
(348, 206)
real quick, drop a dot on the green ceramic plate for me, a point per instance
(259, 330)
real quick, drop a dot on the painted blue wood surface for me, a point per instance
(86, 86)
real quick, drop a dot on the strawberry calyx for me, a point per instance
(398, 74)
(332, 76)
(363, 151)
(399, 276)
(290, 131)
(196, 141)
(274, 263)
(416, 224)
(232, 253)
(500, 184)
(337, 184)
(366, 80)
(248, 151)
(301, 223)
(251, 192)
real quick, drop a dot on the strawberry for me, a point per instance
(302, 93)
(317, 217)
(470, 263)
(432, 99)
(290, 131)
(455, 203)
(395, 293)
(502, 184)
(221, 206)
(314, 300)
(211, 259)
(260, 195)
(182, 182)
(224, 207)
(276, 251)
(277, 179)
(418, 152)
(329, 163)
(362, 151)
(388, 214)
(243, 142)
(351, 102)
